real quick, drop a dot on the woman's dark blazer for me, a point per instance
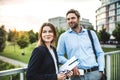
(41, 65)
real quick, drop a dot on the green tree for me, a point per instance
(91, 28)
(12, 35)
(2, 38)
(32, 36)
(103, 35)
(116, 32)
(59, 32)
(23, 40)
(36, 34)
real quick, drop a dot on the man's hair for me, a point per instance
(73, 11)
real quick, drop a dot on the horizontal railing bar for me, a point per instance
(23, 69)
(113, 52)
(12, 71)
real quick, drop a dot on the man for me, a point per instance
(75, 42)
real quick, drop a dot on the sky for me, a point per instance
(30, 14)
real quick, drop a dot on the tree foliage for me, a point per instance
(23, 40)
(103, 35)
(12, 36)
(116, 33)
(2, 38)
(32, 36)
(59, 32)
(91, 28)
(36, 34)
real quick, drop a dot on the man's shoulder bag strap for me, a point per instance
(91, 38)
(104, 77)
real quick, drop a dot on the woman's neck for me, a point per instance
(48, 45)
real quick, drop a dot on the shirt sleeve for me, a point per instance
(61, 50)
(99, 52)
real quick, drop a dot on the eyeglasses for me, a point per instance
(71, 18)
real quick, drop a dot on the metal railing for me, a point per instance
(10, 72)
(112, 65)
(109, 67)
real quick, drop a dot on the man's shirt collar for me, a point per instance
(70, 30)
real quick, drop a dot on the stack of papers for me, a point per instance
(69, 65)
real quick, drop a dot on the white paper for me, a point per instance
(69, 65)
(81, 71)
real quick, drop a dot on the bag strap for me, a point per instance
(91, 39)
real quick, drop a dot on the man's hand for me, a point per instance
(76, 71)
(101, 73)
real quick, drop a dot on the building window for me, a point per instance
(102, 21)
(118, 11)
(111, 19)
(102, 10)
(111, 27)
(99, 27)
(112, 7)
(118, 4)
(112, 13)
(101, 16)
(118, 18)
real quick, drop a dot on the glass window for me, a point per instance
(118, 18)
(118, 4)
(101, 10)
(112, 6)
(111, 27)
(102, 21)
(101, 16)
(111, 19)
(99, 27)
(112, 13)
(118, 11)
(97, 17)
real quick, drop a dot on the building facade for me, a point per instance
(60, 22)
(108, 15)
(85, 23)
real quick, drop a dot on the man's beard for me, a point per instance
(75, 26)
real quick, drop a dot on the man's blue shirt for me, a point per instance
(79, 45)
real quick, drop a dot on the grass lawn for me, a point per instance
(110, 49)
(14, 52)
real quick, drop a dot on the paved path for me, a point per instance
(12, 61)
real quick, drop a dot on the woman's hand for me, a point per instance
(61, 76)
(69, 74)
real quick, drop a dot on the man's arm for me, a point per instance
(61, 50)
(99, 52)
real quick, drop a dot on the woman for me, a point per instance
(43, 64)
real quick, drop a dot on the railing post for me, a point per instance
(108, 67)
(10, 77)
(21, 76)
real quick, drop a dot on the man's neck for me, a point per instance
(78, 29)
